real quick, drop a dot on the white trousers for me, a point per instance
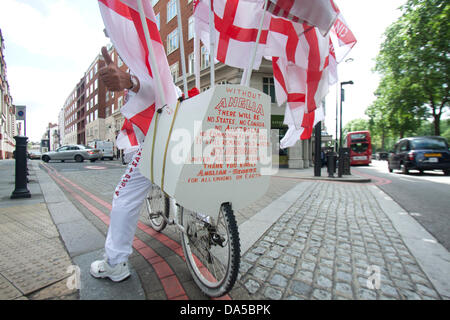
(128, 198)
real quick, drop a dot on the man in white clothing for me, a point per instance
(129, 194)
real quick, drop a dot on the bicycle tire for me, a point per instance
(157, 203)
(209, 281)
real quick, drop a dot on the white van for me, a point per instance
(105, 146)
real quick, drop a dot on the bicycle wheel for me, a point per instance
(158, 204)
(212, 249)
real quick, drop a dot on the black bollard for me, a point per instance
(331, 163)
(21, 190)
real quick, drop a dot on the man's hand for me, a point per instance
(114, 78)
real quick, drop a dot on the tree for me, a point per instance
(414, 63)
(355, 125)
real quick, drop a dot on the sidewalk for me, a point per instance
(307, 239)
(33, 260)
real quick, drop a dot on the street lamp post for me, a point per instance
(340, 111)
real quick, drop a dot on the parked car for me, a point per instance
(34, 154)
(105, 146)
(78, 152)
(420, 153)
(382, 155)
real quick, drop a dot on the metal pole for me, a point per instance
(340, 119)
(152, 61)
(197, 60)
(317, 149)
(212, 45)
(337, 107)
(248, 74)
(182, 57)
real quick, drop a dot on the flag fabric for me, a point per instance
(342, 37)
(293, 86)
(319, 13)
(305, 39)
(125, 30)
(304, 68)
(235, 29)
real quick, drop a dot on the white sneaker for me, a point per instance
(102, 269)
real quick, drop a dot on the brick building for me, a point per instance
(90, 111)
(8, 127)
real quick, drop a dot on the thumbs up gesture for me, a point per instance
(114, 78)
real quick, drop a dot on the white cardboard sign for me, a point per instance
(218, 151)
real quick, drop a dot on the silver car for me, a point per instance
(77, 152)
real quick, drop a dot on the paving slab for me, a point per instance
(105, 289)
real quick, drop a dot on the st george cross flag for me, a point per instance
(236, 25)
(342, 37)
(124, 27)
(319, 13)
(293, 86)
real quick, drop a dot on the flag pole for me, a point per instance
(197, 60)
(183, 60)
(153, 64)
(248, 74)
(212, 36)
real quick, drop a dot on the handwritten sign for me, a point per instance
(219, 149)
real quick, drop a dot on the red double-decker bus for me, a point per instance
(360, 146)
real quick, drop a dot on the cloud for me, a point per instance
(49, 46)
(59, 31)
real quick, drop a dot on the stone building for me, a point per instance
(8, 127)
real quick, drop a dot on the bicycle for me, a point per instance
(211, 248)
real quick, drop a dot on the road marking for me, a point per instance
(430, 240)
(406, 179)
(168, 278)
(415, 214)
(95, 168)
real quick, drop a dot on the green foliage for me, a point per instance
(355, 125)
(414, 62)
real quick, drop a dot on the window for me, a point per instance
(120, 102)
(191, 29)
(404, 146)
(191, 63)
(269, 88)
(204, 58)
(174, 71)
(158, 20)
(119, 61)
(171, 10)
(172, 41)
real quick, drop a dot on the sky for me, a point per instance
(51, 43)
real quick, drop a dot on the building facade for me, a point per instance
(8, 128)
(91, 112)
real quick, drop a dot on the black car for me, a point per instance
(420, 153)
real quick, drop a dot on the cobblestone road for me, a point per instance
(331, 244)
